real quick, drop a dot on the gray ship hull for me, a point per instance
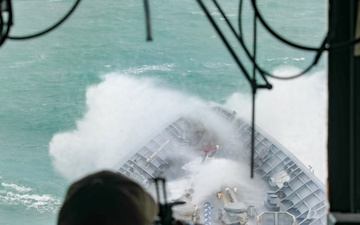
(288, 186)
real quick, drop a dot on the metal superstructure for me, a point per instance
(297, 190)
(291, 186)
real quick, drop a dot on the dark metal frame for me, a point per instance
(344, 115)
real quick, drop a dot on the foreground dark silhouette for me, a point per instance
(107, 198)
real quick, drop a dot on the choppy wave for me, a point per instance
(16, 187)
(145, 68)
(286, 59)
(216, 65)
(20, 64)
(25, 197)
(298, 59)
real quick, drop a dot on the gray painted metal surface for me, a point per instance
(291, 186)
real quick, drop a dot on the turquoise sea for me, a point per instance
(73, 99)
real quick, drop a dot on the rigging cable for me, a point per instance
(239, 39)
(223, 38)
(295, 45)
(278, 36)
(262, 71)
(48, 29)
(5, 6)
(147, 20)
(257, 15)
(253, 82)
(253, 99)
(255, 68)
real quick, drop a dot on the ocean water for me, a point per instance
(73, 99)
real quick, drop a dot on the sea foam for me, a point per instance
(295, 113)
(12, 194)
(122, 113)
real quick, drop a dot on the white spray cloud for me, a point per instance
(209, 177)
(295, 113)
(123, 112)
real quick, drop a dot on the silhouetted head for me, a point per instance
(107, 198)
